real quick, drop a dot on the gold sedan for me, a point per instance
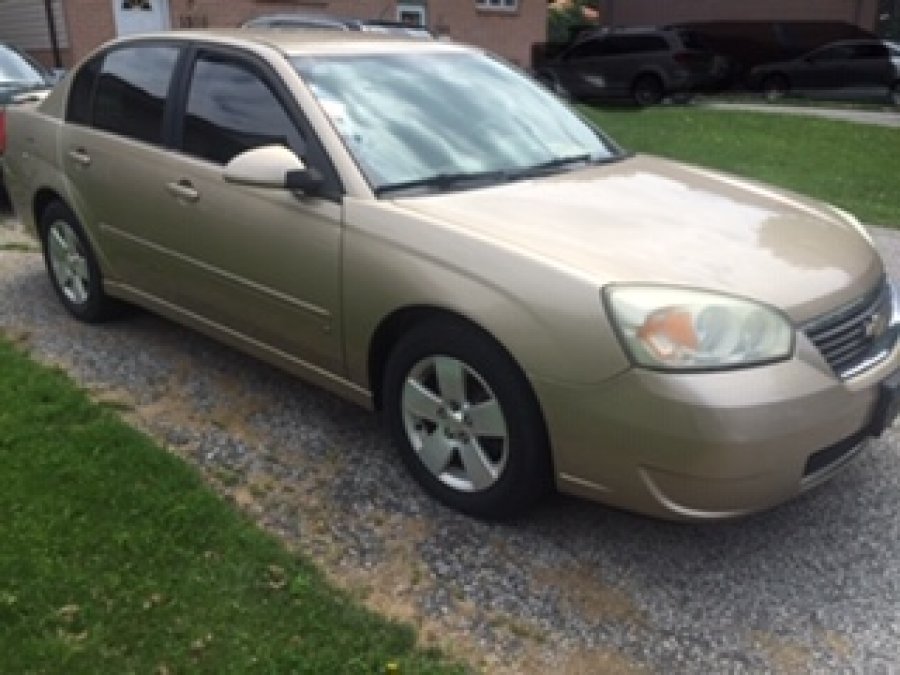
(425, 231)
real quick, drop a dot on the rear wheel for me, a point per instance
(465, 420)
(647, 90)
(895, 93)
(72, 266)
(775, 87)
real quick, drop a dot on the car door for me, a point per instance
(581, 73)
(824, 71)
(625, 57)
(261, 262)
(113, 149)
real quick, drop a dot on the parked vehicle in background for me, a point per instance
(748, 44)
(526, 303)
(642, 64)
(847, 69)
(21, 79)
(305, 21)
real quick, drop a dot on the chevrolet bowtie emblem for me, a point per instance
(875, 326)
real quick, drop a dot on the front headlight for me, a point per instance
(683, 329)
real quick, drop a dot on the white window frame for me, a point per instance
(420, 10)
(497, 5)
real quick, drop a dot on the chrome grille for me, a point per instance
(858, 335)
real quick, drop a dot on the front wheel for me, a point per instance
(551, 83)
(895, 93)
(465, 420)
(72, 266)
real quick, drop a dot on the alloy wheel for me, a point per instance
(68, 262)
(455, 423)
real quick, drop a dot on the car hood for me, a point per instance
(646, 219)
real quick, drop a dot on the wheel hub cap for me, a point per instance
(68, 263)
(455, 424)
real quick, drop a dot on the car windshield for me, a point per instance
(16, 70)
(446, 119)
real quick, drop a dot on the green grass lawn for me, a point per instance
(115, 558)
(854, 166)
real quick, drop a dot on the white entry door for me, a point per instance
(140, 16)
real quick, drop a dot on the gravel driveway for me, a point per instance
(574, 587)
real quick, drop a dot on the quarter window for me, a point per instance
(132, 87)
(231, 109)
(82, 93)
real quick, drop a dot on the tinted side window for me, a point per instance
(692, 40)
(870, 51)
(834, 54)
(132, 89)
(633, 44)
(652, 43)
(231, 109)
(589, 49)
(81, 94)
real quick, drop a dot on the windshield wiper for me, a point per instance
(563, 163)
(554, 165)
(446, 181)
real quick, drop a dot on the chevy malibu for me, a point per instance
(429, 233)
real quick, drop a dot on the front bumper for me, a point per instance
(712, 445)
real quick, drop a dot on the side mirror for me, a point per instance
(272, 166)
(308, 180)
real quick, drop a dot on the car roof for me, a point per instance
(307, 41)
(300, 19)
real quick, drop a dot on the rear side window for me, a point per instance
(231, 109)
(131, 90)
(870, 51)
(635, 44)
(692, 40)
(589, 49)
(81, 95)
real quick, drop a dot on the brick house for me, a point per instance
(507, 27)
(863, 13)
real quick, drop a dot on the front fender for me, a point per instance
(550, 320)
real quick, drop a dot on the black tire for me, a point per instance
(775, 87)
(648, 90)
(894, 95)
(84, 299)
(522, 461)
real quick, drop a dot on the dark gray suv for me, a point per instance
(642, 64)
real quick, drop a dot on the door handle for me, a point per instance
(183, 190)
(80, 156)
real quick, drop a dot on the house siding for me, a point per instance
(23, 23)
(863, 13)
(510, 34)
